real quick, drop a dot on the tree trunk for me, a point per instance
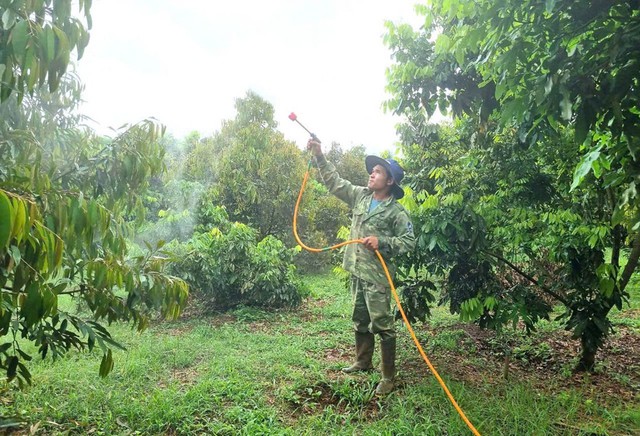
(587, 361)
(631, 265)
(592, 339)
(592, 336)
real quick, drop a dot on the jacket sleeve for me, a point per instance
(341, 188)
(403, 239)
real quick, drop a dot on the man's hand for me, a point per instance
(314, 147)
(371, 242)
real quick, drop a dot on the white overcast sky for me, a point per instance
(185, 62)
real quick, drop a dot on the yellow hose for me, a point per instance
(395, 296)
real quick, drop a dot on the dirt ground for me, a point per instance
(547, 362)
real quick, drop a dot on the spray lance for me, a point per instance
(294, 117)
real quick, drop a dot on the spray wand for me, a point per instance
(294, 117)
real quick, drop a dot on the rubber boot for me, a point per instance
(388, 354)
(364, 352)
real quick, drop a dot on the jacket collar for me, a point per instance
(382, 206)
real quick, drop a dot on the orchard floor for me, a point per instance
(256, 372)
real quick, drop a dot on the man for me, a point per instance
(383, 225)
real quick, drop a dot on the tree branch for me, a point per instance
(528, 277)
(73, 166)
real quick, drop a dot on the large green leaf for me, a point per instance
(6, 218)
(8, 18)
(583, 168)
(19, 37)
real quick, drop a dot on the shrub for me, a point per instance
(274, 274)
(231, 268)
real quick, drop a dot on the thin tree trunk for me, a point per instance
(615, 249)
(587, 361)
(631, 265)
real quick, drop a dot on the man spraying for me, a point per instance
(383, 225)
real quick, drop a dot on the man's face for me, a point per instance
(378, 179)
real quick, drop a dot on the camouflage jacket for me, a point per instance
(389, 221)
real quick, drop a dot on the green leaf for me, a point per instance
(16, 255)
(63, 48)
(443, 43)
(32, 309)
(572, 46)
(601, 324)
(500, 89)
(12, 365)
(460, 54)
(31, 63)
(597, 168)
(19, 219)
(549, 5)
(19, 37)
(584, 167)
(607, 286)
(107, 364)
(49, 43)
(24, 373)
(490, 302)
(6, 219)
(617, 216)
(8, 18)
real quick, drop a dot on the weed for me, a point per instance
(446, 340)
(531, 352)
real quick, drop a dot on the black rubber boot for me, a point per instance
(388, 354)
(364, 352)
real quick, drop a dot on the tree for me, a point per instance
(68, 202)
(255, 172)
(349, 163)
(532, 72)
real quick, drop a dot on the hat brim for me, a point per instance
(371, 161)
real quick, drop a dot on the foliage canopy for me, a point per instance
(68, 201)
(540, 183)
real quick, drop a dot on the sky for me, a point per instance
(186, 62)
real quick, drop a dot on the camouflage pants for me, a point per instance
(372, 308)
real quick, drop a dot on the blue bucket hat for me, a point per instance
(392, 168)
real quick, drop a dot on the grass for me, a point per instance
(254, 372)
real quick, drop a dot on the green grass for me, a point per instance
(255, 372)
